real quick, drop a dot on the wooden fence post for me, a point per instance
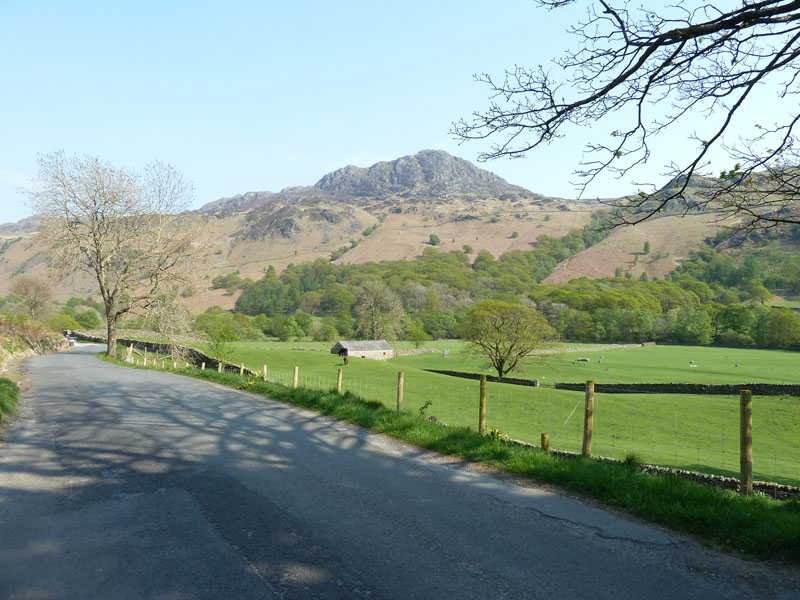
(219, 366)
(241, 369)
(746, 442)
(482, 407)
(339, 382)
(588, 420)
(400, 377)
(265, 372)
(203, 366)
(546, 443)
(294, 377)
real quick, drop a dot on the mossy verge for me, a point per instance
(757, 526)
(9, 394)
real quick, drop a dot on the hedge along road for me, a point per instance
(121, 483)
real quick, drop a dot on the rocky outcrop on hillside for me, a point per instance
(692, 198)
(28, 225)
(253, 200)
(429, 174)
(288, 221)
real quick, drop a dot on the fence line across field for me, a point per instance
(692, 432)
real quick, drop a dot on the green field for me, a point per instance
(785, 301)
(692, 432)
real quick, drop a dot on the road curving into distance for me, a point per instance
(118, 483)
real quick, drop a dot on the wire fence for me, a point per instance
(693, 432)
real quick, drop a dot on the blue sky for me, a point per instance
(246, 96)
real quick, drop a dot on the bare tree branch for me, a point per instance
(125, 229)
(652, 67)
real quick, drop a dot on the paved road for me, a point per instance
(117, 483)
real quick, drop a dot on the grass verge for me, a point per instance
(757, 526)
(9, 394)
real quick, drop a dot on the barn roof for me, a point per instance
(362, 346)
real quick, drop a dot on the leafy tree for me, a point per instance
(575, 325)
(379, 311)
(505, 333)
(434, 240)
(737, 317)
(269, 296)
(467, 249)
(305, 322)
(416, 333)
(783, 329)
(170, 320)
(345, 324)
(757, 292)
(647, 247)
(261, 321)
(648, 68)
(88, 319)
(693, 327)
(439, 324)
(289, 329)
(731, 338)
(125, 229)
(229, 281)
(311, 302)
(337, 298)
(220, 338)
(62, 322)
(34, 293)
(324, 332)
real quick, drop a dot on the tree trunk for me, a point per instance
(112, 337)
(501, 364)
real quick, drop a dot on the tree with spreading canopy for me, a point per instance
(505, 333)
(126, 229)
(34, 293)
(380, 311)
(652, 68)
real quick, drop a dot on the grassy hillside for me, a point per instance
(671, 239)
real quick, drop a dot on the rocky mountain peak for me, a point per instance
(433, 171)
(428, 176)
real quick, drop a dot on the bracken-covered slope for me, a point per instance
(384, 212)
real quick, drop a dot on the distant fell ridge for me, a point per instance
(429, 175)
(27, 225)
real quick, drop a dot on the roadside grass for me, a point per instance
(9, 394)
(756, 527)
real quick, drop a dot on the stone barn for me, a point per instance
(375, 349)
